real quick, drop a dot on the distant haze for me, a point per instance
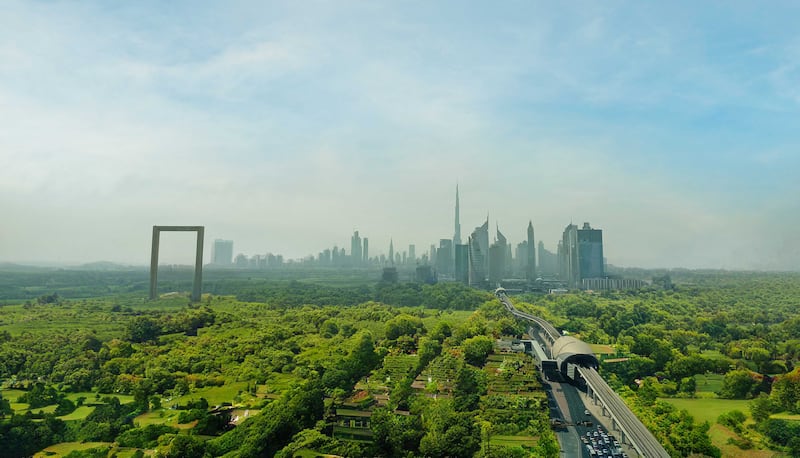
(284, 126)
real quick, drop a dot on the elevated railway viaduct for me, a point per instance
(576, 361)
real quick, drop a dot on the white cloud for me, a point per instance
(287, 130)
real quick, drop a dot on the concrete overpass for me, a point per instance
(575, 359)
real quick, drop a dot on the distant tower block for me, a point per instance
(198, 262)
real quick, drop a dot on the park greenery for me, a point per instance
(284, 367)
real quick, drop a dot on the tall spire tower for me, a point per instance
(530, 265)
(457, 235)
(391, 251)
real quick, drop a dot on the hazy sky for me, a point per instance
(673, 126)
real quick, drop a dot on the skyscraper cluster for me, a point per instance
(479, 261)
(338, 257)
(580, 254)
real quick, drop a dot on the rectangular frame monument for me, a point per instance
(198, 263)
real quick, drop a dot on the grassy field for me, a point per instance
(45, 409)
(92, 397)
(12, 396)
(125, 452)
(216, 395)
(708, 385)
(719, 436)
(65, 447)
(709, 409)
(600, 349)
(306, 453)
(786, 416)
(162, 417)
(514, 441)
(79, 414)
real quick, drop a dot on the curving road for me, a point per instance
(636, 433)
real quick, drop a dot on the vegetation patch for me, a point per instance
(299, 350)
(64, 448)
(786, 416)
(722, 437)
(395, 367)
(161, 417)
(45, 409)
(79, 413)
(600, 349)
(514, 441)
(235, 393)
(708, 409)
(278, 383)
(709, 383)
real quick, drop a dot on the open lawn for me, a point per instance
(600, 349)
(65, 448)
(19, 407)
(162, 417)
(710, 383)
(12, 395)
(514, 441)
(719, 436)
(786, 416)
(92, 397)
(45, 409)
(216, 395)
(79, 414)
(709, 409)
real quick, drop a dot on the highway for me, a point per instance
(635, 432)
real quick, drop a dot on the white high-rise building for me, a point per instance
(222, 252)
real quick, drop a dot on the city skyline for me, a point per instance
(284, 127)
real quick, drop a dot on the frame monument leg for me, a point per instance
(197, 286)
(154, 264)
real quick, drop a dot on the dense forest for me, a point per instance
(295, 368)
